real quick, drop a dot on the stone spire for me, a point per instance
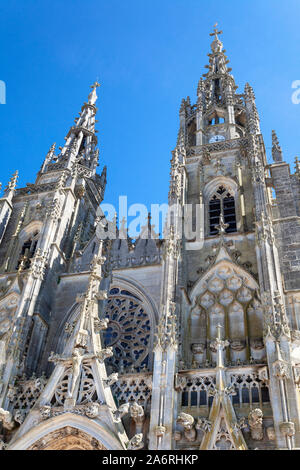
(49, 157)
(217, 59)
(88, 391)
(81, 140)
(93, 95)
(276, 149)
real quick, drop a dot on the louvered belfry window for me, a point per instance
(223, 202)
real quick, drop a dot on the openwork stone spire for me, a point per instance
(276, 149)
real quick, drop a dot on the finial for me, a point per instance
(93, 95)
(216, 32)
(182, 106)
(96, 84)
(276, 149)
(11, 186)
(216, 45)
(200, 88)
(249, 91)
(50, 153)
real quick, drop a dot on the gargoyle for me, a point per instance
(136, 442)
(121, 411)
(187, 421)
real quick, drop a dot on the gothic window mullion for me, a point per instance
(222, 202)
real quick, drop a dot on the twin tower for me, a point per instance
(155, 343)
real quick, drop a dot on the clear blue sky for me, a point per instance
(148, 55)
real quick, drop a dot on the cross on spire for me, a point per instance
(216, 32)
(96, 84)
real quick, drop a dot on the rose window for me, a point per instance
(128, 331)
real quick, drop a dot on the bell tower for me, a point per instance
(42, 228)
(231, 289)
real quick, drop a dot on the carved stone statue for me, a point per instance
(112, 379)
(187, 421)
(137, 413)
(92, 410)
(121, 411)
(255, 420)
(7, 419)
(45, 411)
(136, 442)
(76, 362)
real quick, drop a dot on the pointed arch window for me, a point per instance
(222, 202)
(27, 251)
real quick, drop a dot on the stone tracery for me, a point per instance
(228, 296)
(128, 331)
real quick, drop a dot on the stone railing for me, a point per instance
(250, 383)
(133, 387)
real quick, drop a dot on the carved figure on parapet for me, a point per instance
(112, 379)
(121, 411)
(7, 420)
(136, 442)
(255, 420)
(188, 423)
(137, 413)
(100, 324)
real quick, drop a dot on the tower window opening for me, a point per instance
(214, 214)
(27, 251)
(223, 203)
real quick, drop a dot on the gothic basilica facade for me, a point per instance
(154, 343)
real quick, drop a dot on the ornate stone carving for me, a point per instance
(45, 411)
(128, 330)
(121, 411)
(67, 438)
(255, 420)
(136, 442)
(113, 378)
(188, 423)
(281, 369)
(271, 433)
(6, 419)
(287, 428)
(38, 264)
(204, 425)
(167, 329)
(92, 409)
(137, 413)
(180, 382)
(160, 431)
(296, 371)
(238, 345)
(100, 324)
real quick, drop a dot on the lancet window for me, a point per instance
(222, 202)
